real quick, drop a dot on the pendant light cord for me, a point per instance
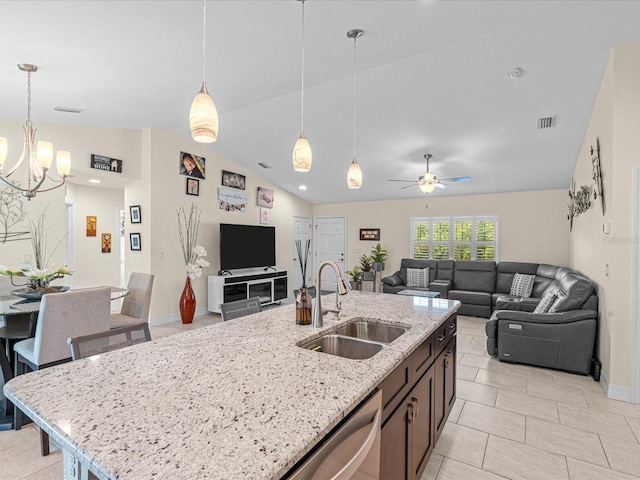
(355, 39)
(302, 76)
(204, 38)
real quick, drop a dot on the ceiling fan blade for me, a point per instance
(441, 185)
(455, 179)
(410, 181)
(408, 186)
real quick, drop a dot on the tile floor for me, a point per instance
(510, 421)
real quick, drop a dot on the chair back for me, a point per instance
(69, 314)
(138, 302)
(96, 343)
(240, 308)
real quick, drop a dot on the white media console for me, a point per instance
(269, 286)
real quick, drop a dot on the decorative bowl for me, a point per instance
(27, 293)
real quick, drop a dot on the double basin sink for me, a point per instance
(357, 340)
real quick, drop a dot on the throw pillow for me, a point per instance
(522, 285)
(548, 297)
(418, 277)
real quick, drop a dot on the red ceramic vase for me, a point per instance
(187, 303)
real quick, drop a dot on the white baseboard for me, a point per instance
(173, 317)
(615, 392)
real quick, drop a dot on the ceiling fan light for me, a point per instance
(203, 117)
(302, 157)
(354, 175)
(427, 183)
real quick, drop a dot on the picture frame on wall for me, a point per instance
(92, 225)
(370, 234)
(192, 165)
(136, 214)
(264, 197)
(193, 186)
(135, 241)
(233, 180)
(106, 243)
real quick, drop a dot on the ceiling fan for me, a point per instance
(428, 182)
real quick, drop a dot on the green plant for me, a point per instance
(379, 254)
(366, 263)
(355, 274)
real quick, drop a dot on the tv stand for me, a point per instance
(269, 286)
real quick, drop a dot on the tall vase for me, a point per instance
(187, 302)
(303, 307)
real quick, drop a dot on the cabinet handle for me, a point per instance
(441, 338)
(447, 359)
(410, 413)
(416, 406)
(452, 326)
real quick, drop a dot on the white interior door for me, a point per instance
(330, 245)
(301, 231)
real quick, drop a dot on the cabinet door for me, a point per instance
(445, 385)
(422, 425)
(394, 445)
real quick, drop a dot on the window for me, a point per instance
(457, 238)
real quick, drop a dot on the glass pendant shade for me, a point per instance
(354, 175)
(44, 154)
(203, 117)
(427, 182)
(63, 162)
(302, 157)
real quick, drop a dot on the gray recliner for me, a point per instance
(563, 338)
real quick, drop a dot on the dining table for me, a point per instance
(13, 306)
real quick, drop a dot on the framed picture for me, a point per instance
(370, 234)
(92, 225)
(233, 180)
(193, 186)
(136, 214)
(134, 238)
(191, 165)
(265, 197)
(106, 243)
(264, 216)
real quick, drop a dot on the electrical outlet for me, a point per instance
(160, 255)
(606, 270)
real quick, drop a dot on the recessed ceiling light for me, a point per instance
(94, 180)
(513, 73)
(302, 187)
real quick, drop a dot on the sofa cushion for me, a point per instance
(445, 269)
(474, 276)
(522, 285)
(548, 297)
(418, 277)
(505, 271)
(392, 280)
(405, 263)
(468, 297)
(573, 291)
(545, 276)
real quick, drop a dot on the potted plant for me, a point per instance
(366, 265)
(355, 275)
(378, 256)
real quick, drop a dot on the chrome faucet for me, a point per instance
(341, 290)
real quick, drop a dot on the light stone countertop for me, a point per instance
(233, 400)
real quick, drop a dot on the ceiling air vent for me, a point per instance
(546, 122)
(264, 165)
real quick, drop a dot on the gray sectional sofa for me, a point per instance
(562, 337)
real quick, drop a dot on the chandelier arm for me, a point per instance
(59, 184)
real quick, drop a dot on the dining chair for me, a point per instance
(61, 315)
(17, 326)
(240, 308)
(96, 343)
(136, 305)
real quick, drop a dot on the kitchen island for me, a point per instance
(233, 400)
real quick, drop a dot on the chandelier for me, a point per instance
(354, 174)
(39, 160)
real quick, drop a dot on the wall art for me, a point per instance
(106, 243)
(232, 200)
(265, 197)
(193, 186)
(597, 173)
(264, 216)
(191, 165)
(370, 234)
(92, 225)
(579, 202)
(233, 180)
(12, 214)
(136, 214)
(135, 241)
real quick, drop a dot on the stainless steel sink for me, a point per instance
(372, 331)
(357, 340)
(344, 346)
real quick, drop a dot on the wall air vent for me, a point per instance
(264, 165)
(69, 109)
(546, 122)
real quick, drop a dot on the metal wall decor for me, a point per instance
(597, 173)
(579, 202)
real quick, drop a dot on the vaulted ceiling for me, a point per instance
(431, 79)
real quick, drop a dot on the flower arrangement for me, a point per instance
(39, 276)
(188, 231)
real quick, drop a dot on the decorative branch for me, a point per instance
(597, 174)
(12, 213)
(303, 259)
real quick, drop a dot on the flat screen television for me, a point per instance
(246, 246)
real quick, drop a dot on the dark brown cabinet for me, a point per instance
(417, 399)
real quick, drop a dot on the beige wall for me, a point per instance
(533, 225)
(616, 121)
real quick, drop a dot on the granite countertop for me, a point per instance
(234, 400)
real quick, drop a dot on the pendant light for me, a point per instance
(302, 149)
(203, 117)
(354, 175)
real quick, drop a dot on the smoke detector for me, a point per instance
(513, 73)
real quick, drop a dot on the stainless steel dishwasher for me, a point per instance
(352, 451)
